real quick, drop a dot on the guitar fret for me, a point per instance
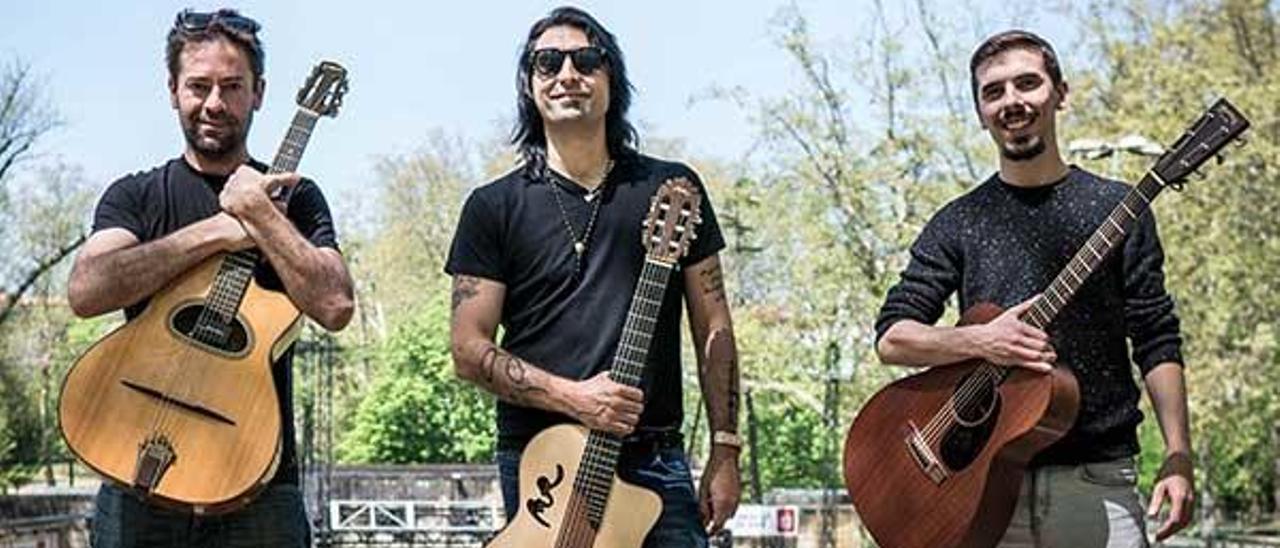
(1074, 274)
(1088, 244)
(1127, 210)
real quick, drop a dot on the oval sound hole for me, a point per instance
(977, 407)
(232, 338)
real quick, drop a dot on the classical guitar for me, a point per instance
(569, 492)
(936, 459)
(179, 404)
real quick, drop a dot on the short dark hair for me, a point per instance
(1014, 39)
(528, 134)
(179, 36)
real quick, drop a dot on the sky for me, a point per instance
(415, 68)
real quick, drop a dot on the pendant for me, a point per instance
(579, 248)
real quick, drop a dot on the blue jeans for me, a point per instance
(664, 471)
(276, 518)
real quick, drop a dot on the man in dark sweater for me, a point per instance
(1003, 242)
(552, 252)
(151, 227)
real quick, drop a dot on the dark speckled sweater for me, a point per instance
(1002, 244)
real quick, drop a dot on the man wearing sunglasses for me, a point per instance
(151, 227)
(551, 251)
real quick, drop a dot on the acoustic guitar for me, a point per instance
(936, 459)
(179, 404)
(571, 496)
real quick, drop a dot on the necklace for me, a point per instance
(580, 243)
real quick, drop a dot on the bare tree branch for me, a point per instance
(42, 266)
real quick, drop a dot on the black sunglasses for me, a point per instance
(197, 21)
(547, 62)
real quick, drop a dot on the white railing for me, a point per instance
(392, 516)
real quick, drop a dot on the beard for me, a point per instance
(1026, 147)
(1023, 151)
(230, 141)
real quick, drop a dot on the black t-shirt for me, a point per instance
(513, 231)
(155, 203)
(1002, 244)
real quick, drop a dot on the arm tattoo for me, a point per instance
(720, 380)
(713, 282)
(507, 376)
(464, 287)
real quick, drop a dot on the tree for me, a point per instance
(416, 411)
(25, 118)
(1159, 66)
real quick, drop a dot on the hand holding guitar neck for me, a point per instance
(248, 194)
(602, 404)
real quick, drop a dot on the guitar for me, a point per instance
(571, 496)
(937, 458)
(179, 404)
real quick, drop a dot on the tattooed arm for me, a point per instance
(598, 402)
(719, 377)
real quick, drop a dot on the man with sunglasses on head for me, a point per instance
(153, 226)
(1003, 242)
(552, 253)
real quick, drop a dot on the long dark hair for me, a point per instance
(620, 135)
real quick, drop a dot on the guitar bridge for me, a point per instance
(154, 458)
(924, 456)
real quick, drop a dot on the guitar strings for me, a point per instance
(963, 399)
(595, 478)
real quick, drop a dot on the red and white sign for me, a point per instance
(756, 520)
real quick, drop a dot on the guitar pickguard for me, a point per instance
(538, 505)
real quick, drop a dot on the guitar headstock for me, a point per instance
(323, 91)
(1217, 127)
(670, 227)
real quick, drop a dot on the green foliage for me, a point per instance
(790, 452)
(417, 411)
(1158, 67)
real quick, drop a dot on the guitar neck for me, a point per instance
(1094, 251)
(237, 269)
(600, 458)
(295, 142)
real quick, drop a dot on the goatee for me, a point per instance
(1024, 153)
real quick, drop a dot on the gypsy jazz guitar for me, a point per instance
(179, 403)
(570, 496)
(937, 458)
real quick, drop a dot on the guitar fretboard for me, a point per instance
(1094, 251)
(600, 459)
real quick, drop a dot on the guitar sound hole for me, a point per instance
(233, 338)
(977, 409)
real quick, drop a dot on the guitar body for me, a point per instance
(216, 410)
(547, 471)
(968, 498)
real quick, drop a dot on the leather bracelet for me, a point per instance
(724, 437)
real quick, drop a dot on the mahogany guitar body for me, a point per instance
(967, 498)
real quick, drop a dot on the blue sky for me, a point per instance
(416, 67)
